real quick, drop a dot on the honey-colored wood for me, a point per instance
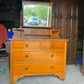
(60, 75)
(35, 33)
(37, 45)
(38, 56)
(38, 68)
(39, 51)
(24, 45)
(37, 36)
(41, 58)
(18, 34)
(16, 77)
(52, 45)
(11, 63)
(55, 34)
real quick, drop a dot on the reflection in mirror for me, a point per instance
(37, 15)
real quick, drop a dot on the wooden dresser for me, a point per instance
(37, 49)
(37, 57)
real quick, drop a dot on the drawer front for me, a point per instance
(38, 68)
(37, 32)
(52, 45)
(18, 34)
(26, 45)
(38, 56)
(37, 37)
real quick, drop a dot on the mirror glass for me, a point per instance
(37, 15)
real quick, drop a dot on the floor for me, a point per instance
(73, 76)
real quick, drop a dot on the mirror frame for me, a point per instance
(35, 2)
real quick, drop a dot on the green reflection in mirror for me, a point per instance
(37, 15)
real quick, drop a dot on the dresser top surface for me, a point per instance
(39, 39)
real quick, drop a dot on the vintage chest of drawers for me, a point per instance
(37, 57)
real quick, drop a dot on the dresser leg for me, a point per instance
(60, 75)
(11, 80)
(15, 78)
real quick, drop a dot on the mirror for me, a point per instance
(36, 15)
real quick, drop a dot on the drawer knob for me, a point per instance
(52, 45)
(26, 68)
(26, 56)
(51, 67)
(52, 55)
(26, 45)
(44, 32)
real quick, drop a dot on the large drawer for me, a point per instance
(38, 68)
(38, 56)
(26, 45)
(52, 45)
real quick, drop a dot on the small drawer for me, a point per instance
(26, 45)
(37, 32)
(19, 45)
(52, 45)
(38, 56)
(38, 68)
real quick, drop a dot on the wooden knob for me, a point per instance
(52, 67)
(52, 45)
(26, 45)
(26, 56)
(52, 55)
(26, 68)
(44, 32)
